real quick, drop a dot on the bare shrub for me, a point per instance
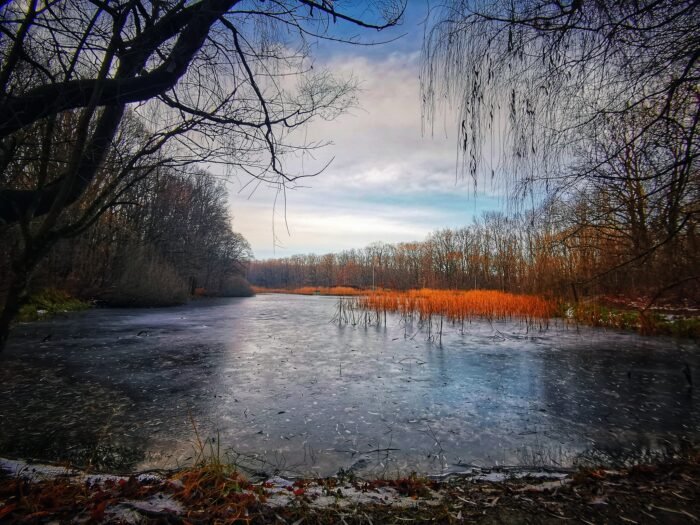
(236, 286)
(147, 279)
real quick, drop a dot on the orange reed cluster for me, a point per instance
(313, 290)
(460, 306)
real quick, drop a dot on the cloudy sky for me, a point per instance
(388, 181)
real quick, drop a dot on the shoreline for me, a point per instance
(621, 313)
(667, 491)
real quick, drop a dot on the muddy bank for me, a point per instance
(666, 492)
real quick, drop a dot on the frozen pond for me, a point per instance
(280, 388)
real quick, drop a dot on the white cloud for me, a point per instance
(385, 183)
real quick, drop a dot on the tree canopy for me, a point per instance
(545, 75)
(214, 74)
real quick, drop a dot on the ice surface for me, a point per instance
(270, 383)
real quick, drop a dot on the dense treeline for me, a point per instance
(170, 237)
(565, 249)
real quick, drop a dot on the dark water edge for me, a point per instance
(269, 383)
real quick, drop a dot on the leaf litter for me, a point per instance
(216, 492)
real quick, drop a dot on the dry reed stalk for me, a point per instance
(460, 306)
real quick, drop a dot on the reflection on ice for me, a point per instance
(283, 390)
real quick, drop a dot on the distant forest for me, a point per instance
(169, 236)
(567, 249)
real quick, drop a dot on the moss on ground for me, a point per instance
(49, 302)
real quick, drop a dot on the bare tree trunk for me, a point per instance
(17, 292)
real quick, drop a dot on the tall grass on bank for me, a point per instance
(214, 484)
(432, 308)
(458, 306)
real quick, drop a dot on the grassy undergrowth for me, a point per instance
(48, 302)
(646, 323)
